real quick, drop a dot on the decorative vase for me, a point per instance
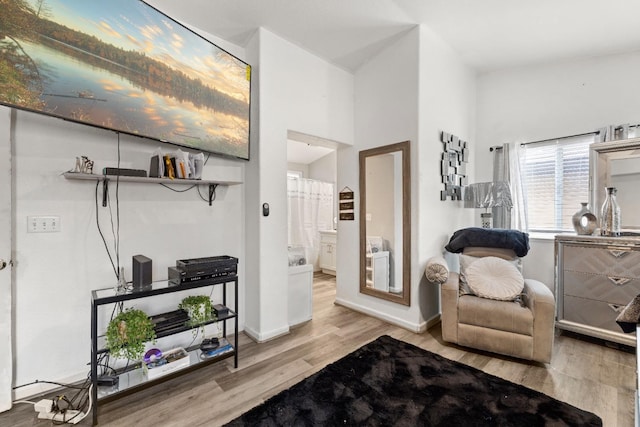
(584, 222)
(610, 217)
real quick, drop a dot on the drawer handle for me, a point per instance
(619, 281)
(617, 254)
(616, 308)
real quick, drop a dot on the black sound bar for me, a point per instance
(124, 172)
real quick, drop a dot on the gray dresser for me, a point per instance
(596, 277)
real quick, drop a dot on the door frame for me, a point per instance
(7, 121)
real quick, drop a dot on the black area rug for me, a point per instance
(392, 383)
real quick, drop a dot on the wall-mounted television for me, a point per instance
(125, 66)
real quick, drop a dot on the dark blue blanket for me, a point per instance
(490, 238)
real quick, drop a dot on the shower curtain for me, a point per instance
(310, 209)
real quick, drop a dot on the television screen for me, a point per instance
(125, 66)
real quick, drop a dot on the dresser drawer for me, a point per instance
(593, 313)
(612, 289)
(601, 260)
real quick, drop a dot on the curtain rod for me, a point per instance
(499, 147)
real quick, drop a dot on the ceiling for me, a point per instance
(303, 153)
(488, 34)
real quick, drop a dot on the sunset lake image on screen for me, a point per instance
(123, 65)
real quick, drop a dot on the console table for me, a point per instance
(596, 277)
(132, 379)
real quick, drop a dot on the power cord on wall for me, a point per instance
(115, 227)
(106, 247)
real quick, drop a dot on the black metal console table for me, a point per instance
(133, 379)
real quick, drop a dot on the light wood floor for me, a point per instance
(591, 376)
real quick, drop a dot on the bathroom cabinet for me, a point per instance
(328, 244)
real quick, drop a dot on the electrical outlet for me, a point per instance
(43, 224)
(44, 405)
(70, 416)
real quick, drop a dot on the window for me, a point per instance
(555, 179)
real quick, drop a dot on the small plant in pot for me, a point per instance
(199, 309)
(128, 333)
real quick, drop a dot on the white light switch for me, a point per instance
(43, 224)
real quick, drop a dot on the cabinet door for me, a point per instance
(332, 257)
(326, 255)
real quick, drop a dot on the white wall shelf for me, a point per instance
(146, 180)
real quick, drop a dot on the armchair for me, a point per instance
(523, 328)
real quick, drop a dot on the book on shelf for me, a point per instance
(224, 347)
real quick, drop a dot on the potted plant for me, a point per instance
(199, 309)
(128, 333)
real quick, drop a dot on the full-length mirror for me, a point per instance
(617, 164)
(385, 222)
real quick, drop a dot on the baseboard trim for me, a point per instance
(433, 321)
(39, 388)
(260, 337)
(413, 327)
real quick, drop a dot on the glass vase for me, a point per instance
(610, 216)
(584, 222)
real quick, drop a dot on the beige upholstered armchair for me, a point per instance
(522, 327)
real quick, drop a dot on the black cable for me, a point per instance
(117, 237)
(80, 396)
(46, 382)
(178, 191)
(106, 247)
(197, 186)
(205, 199)
(77, 403)
(113, 233)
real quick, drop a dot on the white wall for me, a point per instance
(324, 169)
(447, 103)
(412, 91)
(553, 100)
(299, 92)
(386, 111)
(55, 272)
(299, 167)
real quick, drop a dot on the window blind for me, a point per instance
(555, 181)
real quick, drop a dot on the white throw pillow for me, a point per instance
(494, 278)
(467, 260)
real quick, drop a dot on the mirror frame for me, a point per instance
(405, 148)
(601, 153)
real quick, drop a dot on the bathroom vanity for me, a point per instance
(328, 244)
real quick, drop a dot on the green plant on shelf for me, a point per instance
(199, 309)
(128, 332)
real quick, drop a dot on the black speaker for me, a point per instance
(141, 271)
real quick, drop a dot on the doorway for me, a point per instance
(312, 206)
